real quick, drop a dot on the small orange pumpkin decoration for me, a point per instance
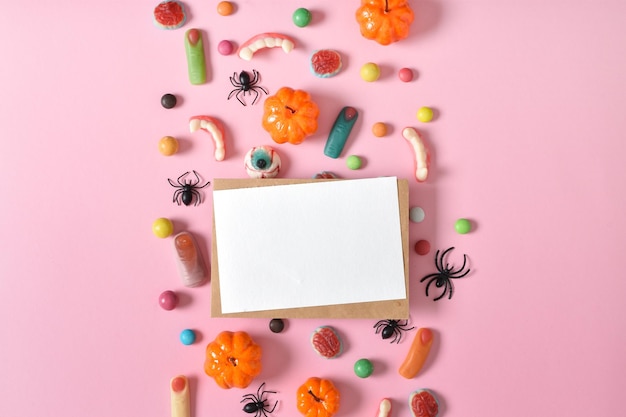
(233, 359)
(290, 116)
(384, 21)
(318, 397)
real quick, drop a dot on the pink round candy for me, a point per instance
(225, 47)
(405, 74)
(168, 300)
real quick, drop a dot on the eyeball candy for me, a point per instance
(405, 74)
(162, 227)
(425, 114)
(187, 337)
(168, 145)
(463, 226)
(354, 162)
(326, 342)
(262, 162)
(370, 72)
(363, 368)
(225, 8)
(225, 47)
(301, 17)
(168, 300)
(379, 129)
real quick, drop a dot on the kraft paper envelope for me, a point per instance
(293, 248)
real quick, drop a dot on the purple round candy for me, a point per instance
(225, 47)
(168, 300)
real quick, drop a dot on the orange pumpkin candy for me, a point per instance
(233, 359)
(318, 397)
(290, 116)
(385, 21)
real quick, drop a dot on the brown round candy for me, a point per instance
(277, 325)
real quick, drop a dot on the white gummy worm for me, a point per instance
(384, 409)
(210, 126)
(420, 151)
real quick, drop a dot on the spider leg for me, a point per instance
(172, 183)
(443, 256)
(233, 80)
(445, 290)
(460, 269)
(429, 276)
(237, 96)
(272, 410)
(438, 261)
(397, 335)
(177, 196)
(198, 197)
(451, 290)
(236, 90)
(428, 285)
(255, 77)
(256, 97)
(178, 180)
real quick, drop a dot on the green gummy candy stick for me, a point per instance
(194, 48)
(339, 133)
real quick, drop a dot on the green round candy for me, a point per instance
(353, 162)
(301, 17)
(463, 226)
(363, 368)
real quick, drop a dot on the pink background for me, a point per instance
(528, 142)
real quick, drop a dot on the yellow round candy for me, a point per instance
(379, 129)
(168, 145)
(370, 72)
(162, 227)
(225, 8)
(425, 114)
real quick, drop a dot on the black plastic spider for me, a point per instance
(186, 191)
(257, 404)
(243, 83)
(445, 274)
(392, 328)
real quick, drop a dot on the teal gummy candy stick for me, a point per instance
(340, 132)
(196, 64)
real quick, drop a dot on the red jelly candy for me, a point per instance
(169, 14)
(325, 63)
(326, 342)
(423, 404)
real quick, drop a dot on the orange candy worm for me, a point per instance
(418, 352)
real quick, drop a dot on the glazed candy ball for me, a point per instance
(379, 129)
(463, 226)
(425, 114)
(422, 247)
(354, 162)
(405, 75)
(168, 300)
(370, 72)
(168, 145)
(225, 47)
(277, 325)
(301, 17)
(168, 101)
(162, 227)
(187, 337)
(363, 368)
(225, 8)
(416, 214)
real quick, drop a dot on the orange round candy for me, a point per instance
(168, 145)
(225, 8)
(379, 129)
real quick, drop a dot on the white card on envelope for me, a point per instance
(310, 244)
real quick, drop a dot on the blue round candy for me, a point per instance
(187, 337)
